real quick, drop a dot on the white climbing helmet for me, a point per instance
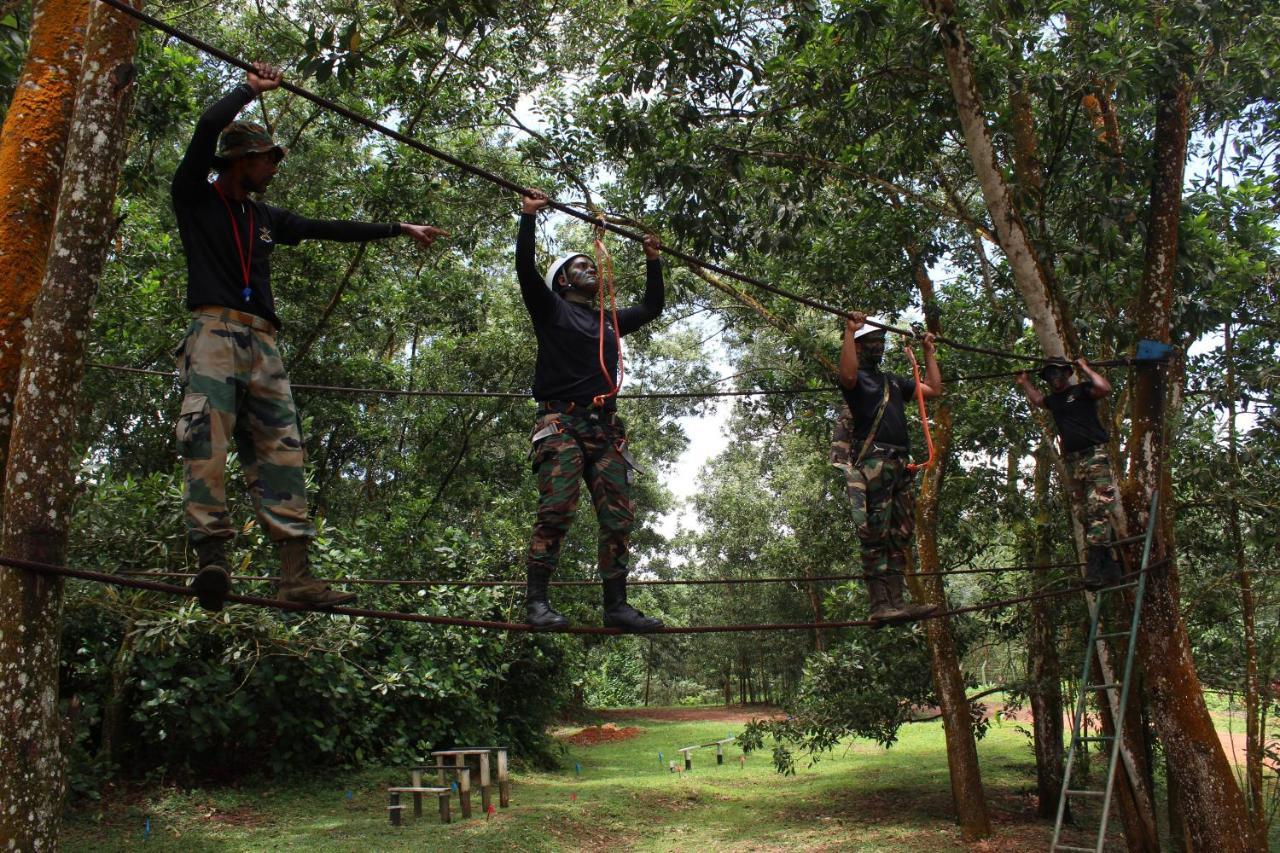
(554, 270)
(868, 329)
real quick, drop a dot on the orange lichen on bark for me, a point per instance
(32, 145)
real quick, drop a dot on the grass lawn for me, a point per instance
(859, 798)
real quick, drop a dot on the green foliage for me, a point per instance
(15, 21)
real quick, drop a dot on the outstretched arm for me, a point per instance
(849, 351)
(298, 228)
(1034, 394)
(193, 171)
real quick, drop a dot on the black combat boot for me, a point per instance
(213, 578)
(619, 614)
(882, 612)
(1095, 568)
(897, 586)
(537, 609)
(298, 585)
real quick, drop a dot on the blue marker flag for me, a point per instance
(146, 829)
(577, 767)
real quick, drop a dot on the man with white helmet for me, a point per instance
(578, 435)
(874, 459)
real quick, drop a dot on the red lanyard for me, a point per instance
(245, 254)
(605, 271)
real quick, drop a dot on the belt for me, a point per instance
(244, 318)
(878, 448)
(568, 407)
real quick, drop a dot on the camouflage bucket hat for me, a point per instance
(241, 138)
(1058, 364)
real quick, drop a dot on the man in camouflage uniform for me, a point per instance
(1084, 450)
(578, 434)
(233, 380)
(872, 449)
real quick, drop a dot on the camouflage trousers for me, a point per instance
(1091, 484)
(884, 512)
(570, 448)
(234, 385)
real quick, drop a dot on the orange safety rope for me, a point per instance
(924, 417)
(604, 269)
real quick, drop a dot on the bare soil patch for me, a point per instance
(607, 733)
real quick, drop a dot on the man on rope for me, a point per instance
(233, 379)
(578, 434)
(1084, 450)
(878, 480)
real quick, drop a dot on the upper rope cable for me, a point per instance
(524, 395)
(457, 621)
(597, 221)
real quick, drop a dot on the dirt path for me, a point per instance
(738, 714)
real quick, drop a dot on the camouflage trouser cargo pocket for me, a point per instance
(236, 390)
(1094, 488)
(566, 450)
(883, 512)
(195, 440)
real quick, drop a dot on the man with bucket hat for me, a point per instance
(872, 449)
(578, 434)
(1083, 443)
(233, 379)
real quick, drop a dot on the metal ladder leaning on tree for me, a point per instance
(1118, 707)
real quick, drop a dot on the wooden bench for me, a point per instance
(394, 808)
(459, 758)
(462, 774)
(441, 791)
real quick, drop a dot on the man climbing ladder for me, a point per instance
(233, 380)
(874, 458)
(1084, 450)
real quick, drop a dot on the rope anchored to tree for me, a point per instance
(598, 221)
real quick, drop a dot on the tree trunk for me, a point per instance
(39, 469)
(1212, 807)
(1248, 607)
(33, 144)
(815, 607)
(948, 680)
(1044, 671)
(648, 672)
(1033, 279)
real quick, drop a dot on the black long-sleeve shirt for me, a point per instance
(214, 274)
(568, 366)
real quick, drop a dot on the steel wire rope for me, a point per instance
(422, 582)
(516, 395)
(458, 621)
(485, 174)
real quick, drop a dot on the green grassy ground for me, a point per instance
(859, 798)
